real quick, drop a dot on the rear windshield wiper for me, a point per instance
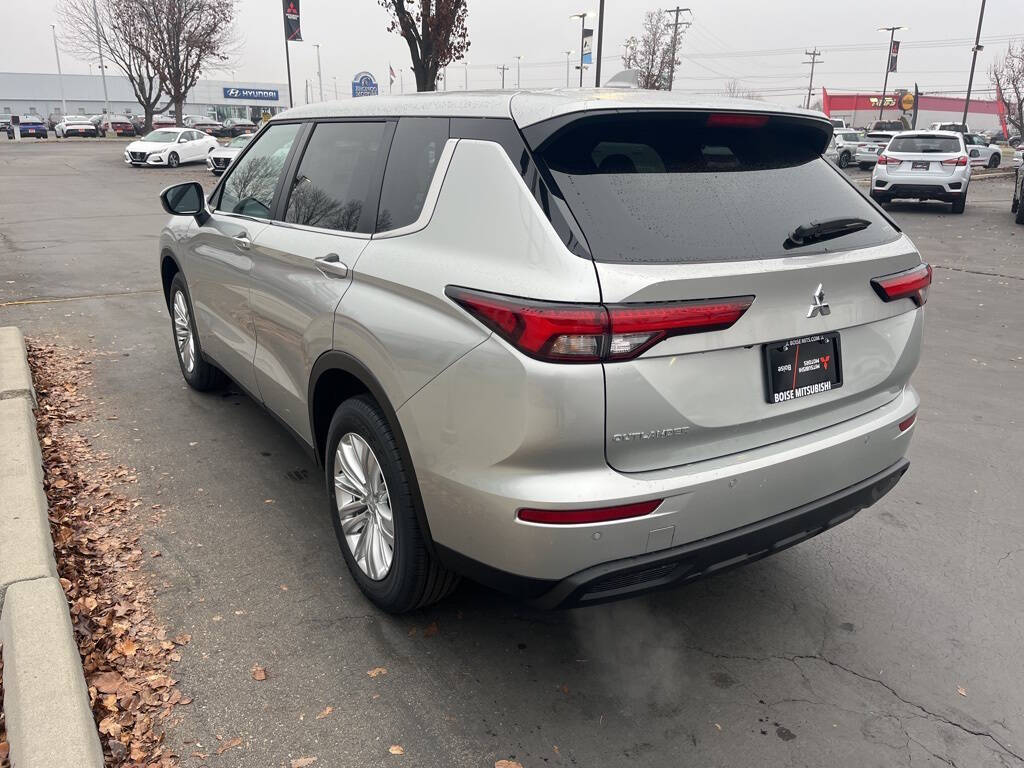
(829, 229)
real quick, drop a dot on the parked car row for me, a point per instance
(30, 126)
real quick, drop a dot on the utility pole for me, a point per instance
(600, 37)
(974, 60)
(319, 71)
(60, 74)
(888, 59)
(103, 69)
(501, 69)
(567, 55)
(810, 83)
(518, 60)
(675, 39)
(335, 88)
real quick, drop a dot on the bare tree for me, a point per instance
(126, 40)
(651, 53)
(734, 89)
(1008, 78)
(434, 30)
(189, 37)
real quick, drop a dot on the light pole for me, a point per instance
(335, 88)
(974, 60)
(319, 71)
(60, 74)
(600, 37)
(465, 74)
(501, 69)
(567, 55)
(103, 69)
(888, 59)
(582, 16)
(518, 60)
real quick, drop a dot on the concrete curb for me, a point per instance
(46, 702)
(15, 376)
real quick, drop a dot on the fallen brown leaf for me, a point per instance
(508, 764)
(230, 744)
(258, 672)
(107, 682)
(302, 762)
(961, 690)
(395, 749)
(377, 671)
(325, 712)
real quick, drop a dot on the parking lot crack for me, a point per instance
(978, 272)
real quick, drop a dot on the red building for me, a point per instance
(859, 109)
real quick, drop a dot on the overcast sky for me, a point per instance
(717, 47)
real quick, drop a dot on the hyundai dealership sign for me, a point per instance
(363, 84)
(257, 94)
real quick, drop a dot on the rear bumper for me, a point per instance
(921, 186)
(680, 565)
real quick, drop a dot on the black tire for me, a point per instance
(880, 199)
(415, 578)
(1020, 212)
(993, 162)
(864, 166)
(960, 203)
(204, 376)
(172, 160)
(844, 159)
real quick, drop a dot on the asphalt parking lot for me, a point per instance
(893, 640)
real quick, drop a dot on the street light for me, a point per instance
(567, 55)
(60, 74)
(888, 58)
(319, 71)
(582, 16)
(518, 60)
(465, 72)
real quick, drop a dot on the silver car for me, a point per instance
(572, 344)
(923, 165)
(219, 159)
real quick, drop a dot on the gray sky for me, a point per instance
(716, 48)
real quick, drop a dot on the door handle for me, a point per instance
(242, 241)
(331, 266)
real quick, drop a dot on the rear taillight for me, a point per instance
(962, 160)
(591, 333)
(597, 515)
(883, 160)
(912, 284)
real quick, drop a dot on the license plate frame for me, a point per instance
(826, 377)
(920, 165)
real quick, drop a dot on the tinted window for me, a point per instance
(412, 159)
(924, 143)
(336, 175)
(693, 187)
(249, 188)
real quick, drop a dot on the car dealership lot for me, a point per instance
(848, 649)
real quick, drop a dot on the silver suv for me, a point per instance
(572, 344)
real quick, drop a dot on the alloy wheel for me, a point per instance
(364, 506)
(183, 337)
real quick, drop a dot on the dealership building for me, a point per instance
(860, 109)
(30, 93)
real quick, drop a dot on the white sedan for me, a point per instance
(74, 126)
(219, 160)
(170, 147)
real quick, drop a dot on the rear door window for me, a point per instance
(333, 187)
(924, 143)
(672, 188)
(252, 180)
(412, 161)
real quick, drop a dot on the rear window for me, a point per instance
(693, 187)
(924, 143)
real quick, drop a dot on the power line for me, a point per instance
(810, 81)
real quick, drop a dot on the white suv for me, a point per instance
(923, 165)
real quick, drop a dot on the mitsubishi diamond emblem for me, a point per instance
(820, 306)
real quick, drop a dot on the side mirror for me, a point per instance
(186, 200)
(183, 139)
(975, 153)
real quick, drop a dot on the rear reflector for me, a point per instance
(597, 515)
(908, 422)
(591, 333)
(912, 284)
